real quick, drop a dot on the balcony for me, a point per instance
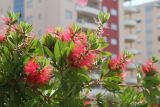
(130, 10)
(131, 38)
(87, 25)
(131, 66)
(134, 51)
(131, 80)
(88, 9)
(158, 26)
(130, 23)
(158, 15)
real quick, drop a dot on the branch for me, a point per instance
(130, 85)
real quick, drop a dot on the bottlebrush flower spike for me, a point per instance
(67, 35)
(44, 76)
(2, 38)
(149, 67)
(82, 2)
(81, 39)
(6, 20)
(77, 52)
(36, 77)
(118, 63)
(31, 67)
(87, 60)
(32, 79)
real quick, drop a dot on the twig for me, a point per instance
(130, 85)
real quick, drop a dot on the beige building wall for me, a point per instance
(45, 13)
(5, 5)
(121, 26)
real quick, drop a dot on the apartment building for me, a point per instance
(42, 13)
(112, 32)
(141, 34)
(130, 40)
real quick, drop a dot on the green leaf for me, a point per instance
(111, 83)
(104, 70)
(57, 51)
(48, 52)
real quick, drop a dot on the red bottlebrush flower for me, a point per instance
(67, 35)
(82, 2)
(81, 39)
(77, 52)
(2, 38)
(87, 103)
(32, 78)
(148, 67)
(44, 76)
(87, 60)
(31, 67)
(6, 20)
(118, 63)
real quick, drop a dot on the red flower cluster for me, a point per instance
(2, 38)
(149, 67)
(118, 63)
(6, 20)
(67, 35)
(34, 77)
(80, 56)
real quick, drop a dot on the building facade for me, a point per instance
(111, 29)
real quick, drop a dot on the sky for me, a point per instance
(138, 2)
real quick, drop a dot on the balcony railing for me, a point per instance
(131, 80)
(130, 23)
(130, 10)
(88, 9)
(131, 66)
(134, 51)
(130, 37)
(87, 25)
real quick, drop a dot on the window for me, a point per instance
(113, 12)
(69, 14)
(106, 39)
(29, 3)
(159, 39)
(138, 30)
(104, 8)
(114, 41)
(158, 16)
(158, 26)
(114, 26)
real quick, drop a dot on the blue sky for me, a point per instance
(138, 2)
